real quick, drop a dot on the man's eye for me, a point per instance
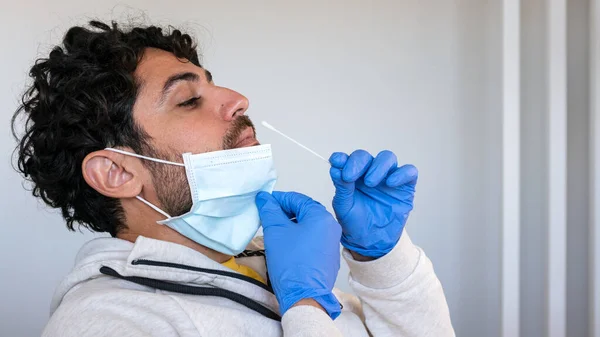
(192, 102)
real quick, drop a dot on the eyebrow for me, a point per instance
(209, 77)
(176, 78)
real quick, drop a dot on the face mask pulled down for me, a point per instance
(223, 186)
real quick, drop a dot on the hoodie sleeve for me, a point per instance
(307, 321)
(400, 293)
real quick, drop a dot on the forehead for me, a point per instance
(157, 65)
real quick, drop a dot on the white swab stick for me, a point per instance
(270, 127)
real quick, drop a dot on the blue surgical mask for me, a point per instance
(223, 185)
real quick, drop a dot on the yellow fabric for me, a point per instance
(244, 270)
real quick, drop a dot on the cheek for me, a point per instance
(191, 131)
(197, 136)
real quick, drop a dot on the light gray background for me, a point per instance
(418, 78)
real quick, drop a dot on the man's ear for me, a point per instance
(112, 174)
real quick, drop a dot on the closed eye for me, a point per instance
(192, 102)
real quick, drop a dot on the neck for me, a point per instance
(143, 223)
(170, 235)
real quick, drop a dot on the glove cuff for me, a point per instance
(387, 271)
(331, 304)
(324, 297)
(374, 252)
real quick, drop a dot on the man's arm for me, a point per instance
(303, 259)
(308, 319)
(400, 293)
(394, 279)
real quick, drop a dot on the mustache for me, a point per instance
(238, 125)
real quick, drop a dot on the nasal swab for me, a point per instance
(270, 127)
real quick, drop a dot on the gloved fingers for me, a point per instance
(384, 164)
(356, 166)
(405, 175)
(297, 204)
(343, 199)
(270, 211)
(342, 188)
(338, 159)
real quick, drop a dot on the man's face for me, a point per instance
(182, 110)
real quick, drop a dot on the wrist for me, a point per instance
(365, 252)
(309, 302)
(361, 258)
(324, 300)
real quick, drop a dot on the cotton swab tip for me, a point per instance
(267, 125)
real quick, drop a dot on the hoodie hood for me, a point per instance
(165, 261)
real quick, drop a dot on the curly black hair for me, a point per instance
(81, 101)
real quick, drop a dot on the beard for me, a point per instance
(238, 126)
(170, 182)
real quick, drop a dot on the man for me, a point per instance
(126, 133)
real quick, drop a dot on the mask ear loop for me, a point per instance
(151, 159)
(153, 207)
(144, 157)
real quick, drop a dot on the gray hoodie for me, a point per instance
(158, 288)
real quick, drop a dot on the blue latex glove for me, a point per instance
(303, 257)
(373, 198)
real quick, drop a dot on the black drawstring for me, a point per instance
(231, 274)
(192, 290)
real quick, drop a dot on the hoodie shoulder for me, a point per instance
(88, 261)
(98, 308)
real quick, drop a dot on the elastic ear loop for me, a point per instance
(144, 157)
(153, 207)
(154, 160)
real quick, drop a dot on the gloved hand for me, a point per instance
(303, 257)
(373, 198)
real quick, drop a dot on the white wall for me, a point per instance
(420, 79)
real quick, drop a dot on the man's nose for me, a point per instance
(233, 104)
